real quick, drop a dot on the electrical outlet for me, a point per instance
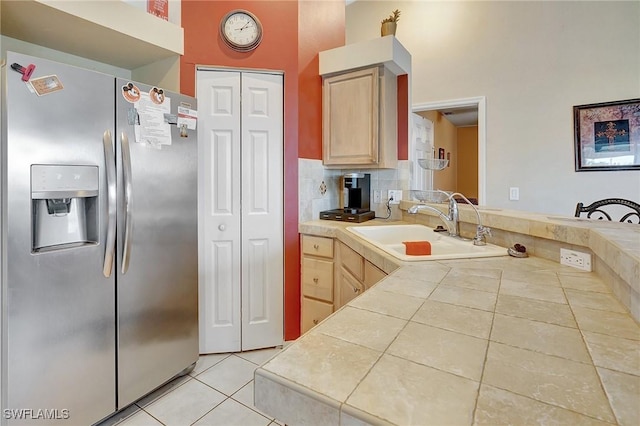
(396, 194)
(575, 259)
(376, 196)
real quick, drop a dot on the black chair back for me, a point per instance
(598, 210)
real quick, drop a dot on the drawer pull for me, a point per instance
(356, 290)
(316, 246)
(315, 280)
(315, 321)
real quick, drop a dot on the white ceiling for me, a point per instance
(461, 117)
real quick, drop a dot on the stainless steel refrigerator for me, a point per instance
(99, 244)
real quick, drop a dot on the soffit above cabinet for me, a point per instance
(112, 32)
(387, 51)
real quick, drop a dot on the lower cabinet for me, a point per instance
(332, 274)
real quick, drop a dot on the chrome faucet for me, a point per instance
(452, 219)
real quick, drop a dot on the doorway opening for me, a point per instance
(460, 113)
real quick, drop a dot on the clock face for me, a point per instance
(241, 30)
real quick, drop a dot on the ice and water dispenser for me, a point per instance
(64, 200)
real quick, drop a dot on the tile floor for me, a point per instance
(219, 391)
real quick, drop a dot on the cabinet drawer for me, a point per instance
(352, 261)
(317, 246)
(314, 311)
(317, 278)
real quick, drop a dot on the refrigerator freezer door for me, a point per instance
(157, 253)
(59, 340)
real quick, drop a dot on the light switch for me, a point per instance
(514, 193)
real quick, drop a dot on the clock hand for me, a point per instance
(245, 26)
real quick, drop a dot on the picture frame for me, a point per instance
(441, 153)
(607, 136)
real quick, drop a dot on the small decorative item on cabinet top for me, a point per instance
(389, 24)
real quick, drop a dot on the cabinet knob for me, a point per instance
(315, 280)
(222, 227)
(315, 321)
(356, 290)
(316, 246)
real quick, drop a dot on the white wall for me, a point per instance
(533, 61)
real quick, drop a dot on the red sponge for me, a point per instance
(417, 248)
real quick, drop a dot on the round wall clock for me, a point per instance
(241, 30)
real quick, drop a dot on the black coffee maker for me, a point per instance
(357, 199)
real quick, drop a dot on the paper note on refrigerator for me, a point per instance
(187, 117)
(152, 129)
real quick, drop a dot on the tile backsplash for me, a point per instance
(320, 188)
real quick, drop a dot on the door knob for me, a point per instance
(222, 227)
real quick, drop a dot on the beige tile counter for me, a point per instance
(486, 341)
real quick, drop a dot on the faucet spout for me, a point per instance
(451, 220)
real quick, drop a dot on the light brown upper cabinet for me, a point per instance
(359, 123)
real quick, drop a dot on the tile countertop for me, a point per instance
(484, 341)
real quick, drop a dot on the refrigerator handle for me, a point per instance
(110, 166)
(128, 224)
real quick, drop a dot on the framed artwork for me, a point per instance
(441, 153)
(607, 136)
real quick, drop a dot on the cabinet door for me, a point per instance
(349, 288)
(314, 311)
(372, 274)
(351, 114)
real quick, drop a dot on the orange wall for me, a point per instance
(468, 161)
(293, 34)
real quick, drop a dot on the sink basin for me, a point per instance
(390, 238)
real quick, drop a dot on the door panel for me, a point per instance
(421, 147)
(241, 176)
(59, 312)
(157, 295)
(219, 215)
(262, 213)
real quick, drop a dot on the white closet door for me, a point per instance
(219, 180)
(421, 147)
(262, 210)
(241, 190)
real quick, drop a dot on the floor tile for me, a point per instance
(206, 361)
(343, 364)
(588, 299)
(473, 322)
(532, 277)
(429, 396)
(232, 413)
(614, 353)
(488, 280)
(259, 356)
(159, 393)
(609, 323)
(584, 282)
(562, 382)
(186, 404)
(499, 407)
(546, 293)
(407, 286)
(140, 418)
(229, 375)
(624, 392)
(464, 297)
(445, 350)
(366, 328)
(539, 336)
(538, 310)
(395, 305)
(245, 396)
